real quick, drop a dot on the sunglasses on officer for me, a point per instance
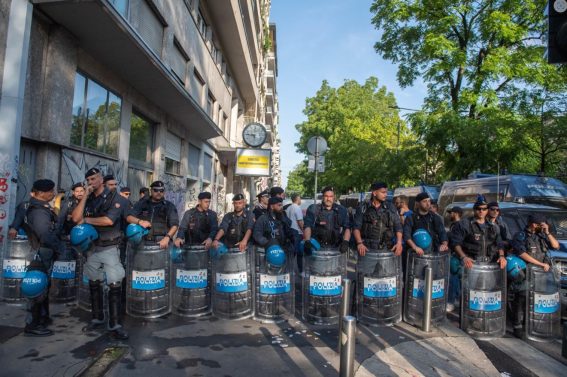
(481, 209)
(494, 209)
(158, 190)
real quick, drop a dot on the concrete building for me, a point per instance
(143, 89)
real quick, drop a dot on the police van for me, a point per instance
(515, 215)
(412, 192)
(506, 188)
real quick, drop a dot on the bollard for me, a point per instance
(345, 306)
(348, 342)
(564, 341)
(427, 299)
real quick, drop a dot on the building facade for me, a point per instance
(142, 89)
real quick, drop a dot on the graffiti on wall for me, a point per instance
(75, 164)
(8, 180)
(175, 192)
(219, 196)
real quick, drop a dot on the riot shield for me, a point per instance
(191, 281)
(543, 306)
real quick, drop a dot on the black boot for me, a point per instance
(97, 311)
(45, 320)
(114, 311)
(518, 311)
(34, 327)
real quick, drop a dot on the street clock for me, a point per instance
(254, 135)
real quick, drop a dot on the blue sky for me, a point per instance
(326, 39)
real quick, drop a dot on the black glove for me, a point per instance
(307, 247)
(344, 247)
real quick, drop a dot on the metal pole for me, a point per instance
(316, 168)
(348, 341)
(345, 307)
(427, 299)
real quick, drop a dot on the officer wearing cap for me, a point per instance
(157, 214)
(272, 229)
(65, 215)
(198, 225)
(103, 209)
(532, 245)
(377, 224)
(236, 227)
(42, 230)
(423, 218)
(328, 223)
(262, 206)
(476, 239)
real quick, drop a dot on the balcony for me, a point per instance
(270, 79)
(270, 98)
(108, 37)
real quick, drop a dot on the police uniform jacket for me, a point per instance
(430, 222)
(42, 228)
(259, 211)
(535, 244)
(271, 229)
(107, 204)
(65, 221)
(477, 240)
(235, 227)
(196, 226)
(20, 215)
(327, 225)
(377, 225)
(162, 215)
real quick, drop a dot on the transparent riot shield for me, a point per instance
(274, 288)
(65, 277)
(191, 281)
(543, 306)
(147, 294)
(415, 287)
(232, 285)
(322, 286)
(483, 301)
(379, 288)
(16, 256)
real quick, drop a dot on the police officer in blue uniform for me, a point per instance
(477, 239)
(198, 225)
(236, 227)
(42, 229)
(272, 229)
(377, 224)
(65, 214)
(423, 218)
(103, 210)
(532, 245)
(262, 206)
(18, 221)
(156, 214)
(328, 223)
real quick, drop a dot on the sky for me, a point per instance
(326, 40)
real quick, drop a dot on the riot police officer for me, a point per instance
(262, 206)
(65, 215)
(198, 225)
(475, 238)
(103, 209)
(423, 218)
(42, 229)
(157, 214)
(19, 217)
(377, 224)
(328, 223)
(494, 217)
(236, 227)
(531, 245)
(272, 229)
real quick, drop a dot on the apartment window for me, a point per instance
(210, 105)
(96, 117)
(122, 6)
(178, 61)
(200, 86)
(172, 153)
(208, 167)
(149, 25)
(141, 140)
(194, 157)
(202, 24)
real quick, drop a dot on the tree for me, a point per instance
(296, 180)
(367, 139)
(477, 58)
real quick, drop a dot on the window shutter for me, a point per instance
(149, 26)
(173, 147)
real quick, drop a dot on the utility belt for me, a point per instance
(110, 242)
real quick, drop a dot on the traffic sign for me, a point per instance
(317, 145)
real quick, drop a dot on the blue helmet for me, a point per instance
(216, 252)
(34, 283)
(422, 238)
(455, 265)
(135, 233)
(82, 237)
(275, 256)
(316, 245)
(176, 254)
(515, 267)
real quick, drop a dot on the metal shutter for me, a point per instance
(148, 25)
(173, 147)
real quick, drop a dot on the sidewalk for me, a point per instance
(207, 346)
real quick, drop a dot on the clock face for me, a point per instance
(254, 134)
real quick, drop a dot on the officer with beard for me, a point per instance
(376, 223)
(198, 225)
(236, 227)
(272, 229)
(65, 215)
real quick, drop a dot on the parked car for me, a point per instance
(515, 215)
(506, 188)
